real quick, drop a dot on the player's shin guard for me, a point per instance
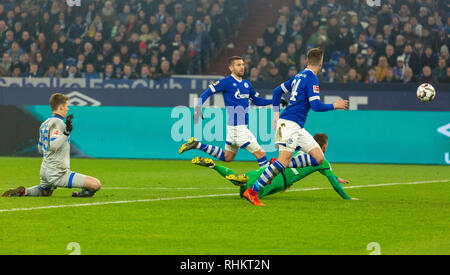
(211, 150)
(303, 160)
(263, 162)
(268, 175)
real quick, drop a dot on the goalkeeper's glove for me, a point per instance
(69, 126)
(197, 113)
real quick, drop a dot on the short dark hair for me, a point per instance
(314, 56)
(57, 99)
(234, 58)
(321, 139)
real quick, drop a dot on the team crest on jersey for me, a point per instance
(246, 85)
(234, 84)
(316, 88)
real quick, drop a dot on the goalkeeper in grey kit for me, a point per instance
(54, 145)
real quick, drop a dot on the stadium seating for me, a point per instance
(158, 38)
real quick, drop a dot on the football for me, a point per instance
(426, 92)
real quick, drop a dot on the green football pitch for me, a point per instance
(175, 207)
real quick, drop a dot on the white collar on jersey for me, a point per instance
(236, 78)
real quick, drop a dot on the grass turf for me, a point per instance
(403, 219)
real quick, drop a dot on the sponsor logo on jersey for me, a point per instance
(238, 95)
(316, 88)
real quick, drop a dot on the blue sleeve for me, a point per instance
(285, 87)
(219, 86)
(258, 101)
(314, 97)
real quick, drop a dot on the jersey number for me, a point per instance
(294, 90)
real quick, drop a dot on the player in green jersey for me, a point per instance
(282, 181)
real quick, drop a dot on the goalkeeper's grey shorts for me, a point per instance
(53, 178)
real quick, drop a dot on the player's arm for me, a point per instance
(59, 133)
(40, 148)
(317, 105)
(56, 136)
(219, 86)
(333, 179)
(258, 101)
(277, 94)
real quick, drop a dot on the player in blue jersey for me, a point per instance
(290, 133)
(236, 93)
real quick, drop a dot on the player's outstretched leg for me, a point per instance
(16, 192)
(191, 144)
(205, 162)
(35, 191)
(266, 177)
(314, 157)
(211, 150)
(238, 180)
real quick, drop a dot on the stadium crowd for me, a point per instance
(399, 41)
(114, 39)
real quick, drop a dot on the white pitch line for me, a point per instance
(206, 196)
(168, 188)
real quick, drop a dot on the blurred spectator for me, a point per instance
(274, 75)
(109, 72)
(165, 70)
(440, 71)
(342, 68)
(72, 72)
(5, 65)
(390, 77)
(127, 72)
(371, 76)
(428, 59)
(353, 76)
(409, 76)
(447, 78)
(399, 69)
(381, 68)
(361, 66)
(331, 77)
(90, 72)
(427, 76)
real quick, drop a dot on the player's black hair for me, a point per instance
(321, 139)
(234, 58)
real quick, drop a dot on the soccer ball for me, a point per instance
(426, 92)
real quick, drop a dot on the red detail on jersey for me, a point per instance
(316, 88)
(56, 132)
(215, 84)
